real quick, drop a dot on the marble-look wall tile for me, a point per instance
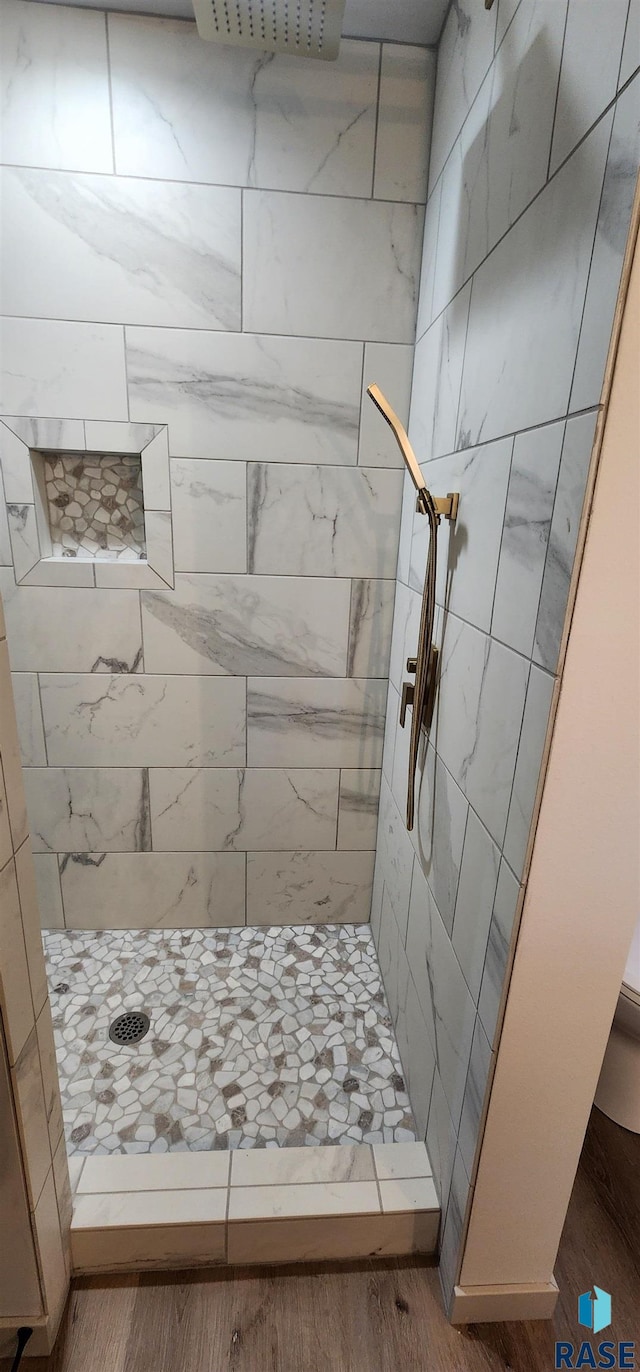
(28, 1095)
(243, 625)
(474, 902)
(65, 370)
(479, 714)
(614, 218)
(395, 859)
(366, 265)
(391, 729)
(358, 808)
(468, 550)
(527, 521)
(10, 754)
(515, 375)
(26, 699)
(631, 50)
(6, 848)
(87, 809)
(428, 266)
(589, 73)
(439, 830)
(389, 365)
(453, 1226)
(161, 721)
(153, 890)
(417, 1054)
(14, 973)
(121, 250)
(71, 630)
(444, 997)
(563, 538)
(525, 781)
(480, 1064)
(322, 521)
(203, 112)
(321, 723)
(28, 892)
(406, 625)
(237, 396)
(464, 56)
(370, 621)
(47, 876)
(437, 372)
(209, 502)
(228, 809)
(407, 86)
(55, 88)
(25, 544)
(309, 888)
(441, 1139)
(497, 955)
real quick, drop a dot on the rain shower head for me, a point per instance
(306, 28)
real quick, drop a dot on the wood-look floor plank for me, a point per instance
(359, 1317)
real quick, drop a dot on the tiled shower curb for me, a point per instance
(172, 1210)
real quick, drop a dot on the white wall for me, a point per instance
(533, 166)
(226, 243)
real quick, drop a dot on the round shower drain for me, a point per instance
(130, 1027)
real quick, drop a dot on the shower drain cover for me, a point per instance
(130, 1027)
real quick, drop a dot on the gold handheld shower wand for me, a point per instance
(420, 694)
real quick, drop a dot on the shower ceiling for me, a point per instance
(399, 21)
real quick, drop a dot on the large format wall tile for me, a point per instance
(517, 375)
(444, 997)
(589, 73)
(479, 713)
(437, 371)
(366, 265)
(71, 630)
(55, 88)
(525, 535)
(195, 111)
(464, 56)
(72, 371)
(228, 809)
(161, 721)
(244, 625)
(525, 781)
(26, 699)
(389, 366)
(439, 831)
(209, 503)
(321, 723)
(563, 538)
(87, 809)
(309, 888)
(120, 250)
(395, 859)
(370, 621)
(358, 807)
(153, 890)
(239, 396)
(474, 901)
(322, 521)
(502, 920)
(407, 81)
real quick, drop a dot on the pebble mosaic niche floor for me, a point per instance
(259, 1038)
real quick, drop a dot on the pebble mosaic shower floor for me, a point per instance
(260, 1037)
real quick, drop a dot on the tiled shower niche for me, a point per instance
(93, 504)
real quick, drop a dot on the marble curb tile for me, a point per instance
(408, 1193)
(151, 1247)
(153, 1172)
(304, 1199)
(140, 1209)
(331, 1238)
(276, 1166)
(397, 1161)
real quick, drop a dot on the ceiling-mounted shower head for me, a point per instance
(306, 28)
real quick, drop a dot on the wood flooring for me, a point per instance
(366, 1317)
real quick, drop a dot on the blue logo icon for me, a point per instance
(594, 1312)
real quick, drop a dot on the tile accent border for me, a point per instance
(26, 503)
(276, 1205)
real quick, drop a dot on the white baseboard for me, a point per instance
(487, 1304)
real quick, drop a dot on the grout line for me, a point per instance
(206, 331)
(110, 94)
(557, 94)
(504, 517)
(377, 121)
